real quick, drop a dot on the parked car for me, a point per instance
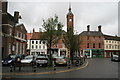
(60, 60)
(28, 59)
(11, 59)
(115, 58)
(42, 60)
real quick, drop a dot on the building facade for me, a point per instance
(35, 46)
(13, 33)
(92, 43)
(111, 45)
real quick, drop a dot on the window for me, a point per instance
(17, 34)
(10, 31)
(16, 47)
(9, 48)
(36, 42)
(94, 38)
(99, 38)
(39, 42)
(32, 42)
(112, 47)
(109, 41)
(87, 45)
(39, 47)
(43, 42)
(109, 46)
(36, 46)
(32, 46)
(99, 45)
(106, 41)
(56, 45)
(43, 47)
(106, 46)
(93, 45)
(63, 45)
(87, 37)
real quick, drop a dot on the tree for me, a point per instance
(72, 42)
(52, 33)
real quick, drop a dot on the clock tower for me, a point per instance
(70, 21)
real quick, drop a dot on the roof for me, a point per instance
(22, 27)
(91, 33)
(35, 35)
(108, 37)
(28, 36)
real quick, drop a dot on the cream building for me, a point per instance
(111, 45)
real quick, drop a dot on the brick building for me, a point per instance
(13, 33)
(92, 43)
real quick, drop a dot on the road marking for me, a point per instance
(53, 72)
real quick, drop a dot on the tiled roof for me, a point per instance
(28, 36)
(91, 33)
(108, 37)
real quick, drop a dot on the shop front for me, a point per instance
(97, 53)
(109, 53)
(87, 53)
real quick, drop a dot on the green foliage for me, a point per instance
(72, 42)
(53, 31)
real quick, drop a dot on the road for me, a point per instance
(96, 68)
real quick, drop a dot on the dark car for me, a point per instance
(11, 59)
(42, 60)
(115, 58)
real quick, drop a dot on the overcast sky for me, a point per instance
(92, 13)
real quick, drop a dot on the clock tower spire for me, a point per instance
(70, 19)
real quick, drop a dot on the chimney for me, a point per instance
(16, 16)
(4, 7)
(33, 30)
(88, 27)
(99, 28)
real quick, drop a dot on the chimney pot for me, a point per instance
(16, 16)
(99, 28)
(88, 27)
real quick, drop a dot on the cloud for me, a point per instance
(93, 13)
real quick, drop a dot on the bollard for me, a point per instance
(34, 68)
(77, 63)
(10, 68)
(69, 64)
(54, 65)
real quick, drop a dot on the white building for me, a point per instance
(111, 45)
(36, 46)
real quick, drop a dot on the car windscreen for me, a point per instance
(13, 56)
(29, 57)
(41, 58)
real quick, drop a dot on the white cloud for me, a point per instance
(93, 13)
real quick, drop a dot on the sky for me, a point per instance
(91, 13)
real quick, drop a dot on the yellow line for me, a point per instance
(53, 72)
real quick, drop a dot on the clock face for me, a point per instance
(70, 19)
